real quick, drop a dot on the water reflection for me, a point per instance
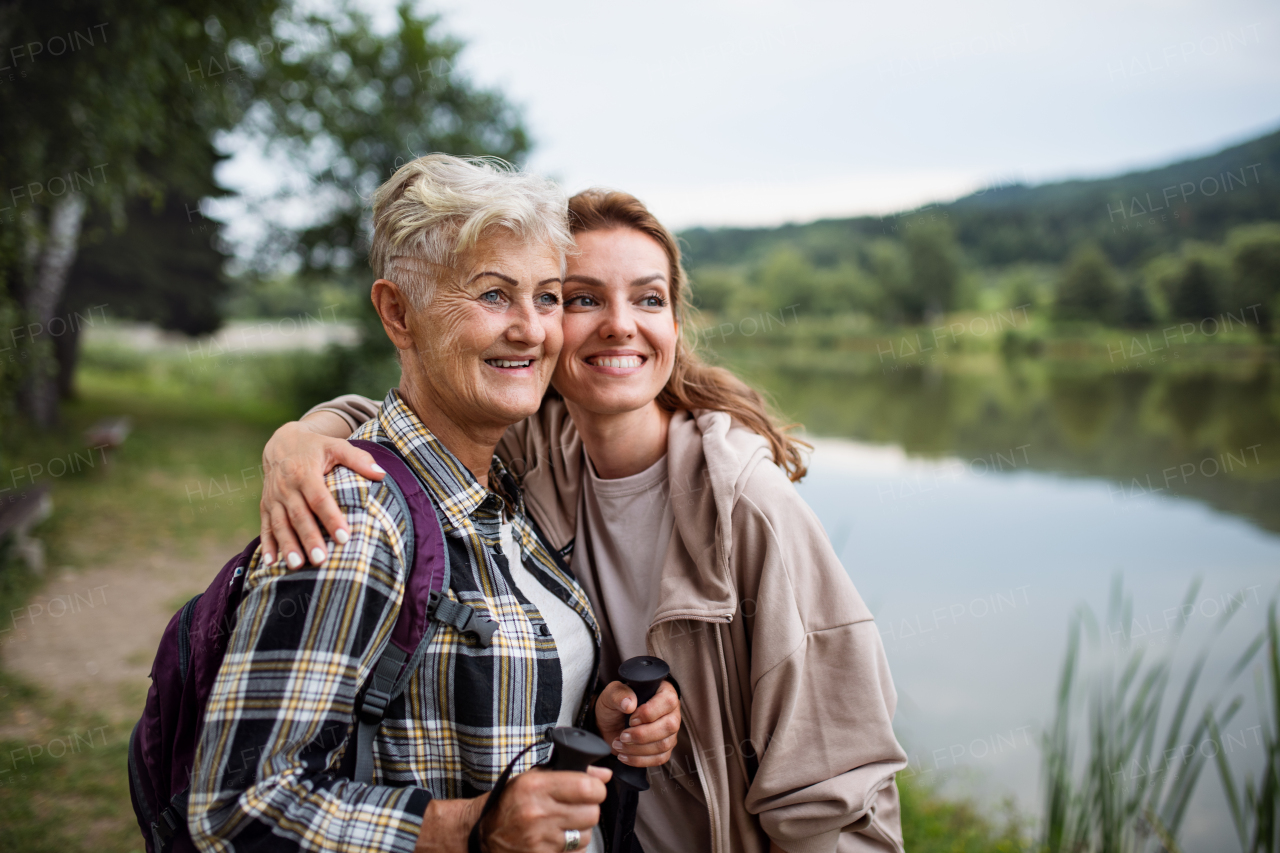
(1207, 431)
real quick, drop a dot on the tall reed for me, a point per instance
(1110, 785)
(1255, 813)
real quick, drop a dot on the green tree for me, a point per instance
(888, 265)
(848, 288)
(1255, 273)
(787, 278)
(1135, 307)
(1021, 287)
(1158, 276)
(349, 106)
(1195, 291)
(100, 101)
(164, 266)
(715, 288)
(933, 260)
(139, 113)
(10, 369)
(1088, 289)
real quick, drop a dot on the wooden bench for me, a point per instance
(21, 511)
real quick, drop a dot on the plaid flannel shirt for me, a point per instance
(281, 715)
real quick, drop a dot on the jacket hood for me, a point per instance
(709, 460)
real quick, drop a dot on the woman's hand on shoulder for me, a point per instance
(644, 736)
(294, 495)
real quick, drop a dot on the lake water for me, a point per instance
(1019, 498)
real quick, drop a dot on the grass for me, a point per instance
(154, 495)
(62, 780)
(810, 340)
(934, 823)
(156, 492)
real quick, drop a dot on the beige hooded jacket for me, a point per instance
(787, 698)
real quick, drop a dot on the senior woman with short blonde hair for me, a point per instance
(469, 258)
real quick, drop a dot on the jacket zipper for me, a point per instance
(712, 807)
(733, 728)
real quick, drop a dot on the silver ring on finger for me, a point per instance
(572, 839)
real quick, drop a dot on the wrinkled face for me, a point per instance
(488, 338)
(620, 329)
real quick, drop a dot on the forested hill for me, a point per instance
(1132, 217)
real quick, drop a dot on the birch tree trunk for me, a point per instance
(55, 259)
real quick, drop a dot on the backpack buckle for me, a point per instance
(163, 830)
(374, 706)
(463, 617)
(482, 629)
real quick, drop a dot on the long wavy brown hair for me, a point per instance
(694, 384)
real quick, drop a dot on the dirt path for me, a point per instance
(90, 636)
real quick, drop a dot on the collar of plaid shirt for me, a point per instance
(457, 492)
(468, 508)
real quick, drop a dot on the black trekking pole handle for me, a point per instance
(575, 749)
(644, 675)
(572, 749)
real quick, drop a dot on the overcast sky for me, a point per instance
(760, 112)
(766, 112)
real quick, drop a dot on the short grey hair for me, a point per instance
(439, 206)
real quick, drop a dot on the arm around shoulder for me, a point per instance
(352, 408)
(294, 462)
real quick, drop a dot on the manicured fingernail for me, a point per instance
(635, 721)
(268, 558)
(625, 737)
(617, 744)
(624, 759)
(318, 555)
(342, 536)
(378, 468)
(294, 559)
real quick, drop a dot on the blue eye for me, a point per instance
(493, 296)
(654, 302)
(549, 299)
(583, 301)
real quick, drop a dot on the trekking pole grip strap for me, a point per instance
(474, 840)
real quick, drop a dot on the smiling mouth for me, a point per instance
(623, 361)
(509, 363)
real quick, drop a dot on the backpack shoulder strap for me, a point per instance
(424, 600)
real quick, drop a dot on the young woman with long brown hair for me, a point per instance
(669, 486)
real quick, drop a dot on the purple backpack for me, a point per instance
(162, 748)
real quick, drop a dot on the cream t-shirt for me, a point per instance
(574, 643)
(624, 527)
